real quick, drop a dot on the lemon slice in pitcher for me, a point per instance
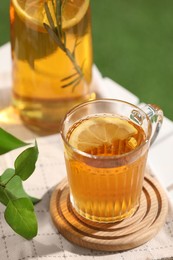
(33, 13)
(97, 131)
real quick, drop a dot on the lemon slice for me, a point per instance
(97, 131)
(32, 12)
(73, 12)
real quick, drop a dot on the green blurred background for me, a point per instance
(133, 45)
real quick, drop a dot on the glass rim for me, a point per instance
(91, 156)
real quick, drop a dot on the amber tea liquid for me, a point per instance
(41, 70)
(102, 189)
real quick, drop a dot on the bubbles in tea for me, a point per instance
(102, 190)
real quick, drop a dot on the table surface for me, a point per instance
(49, 244)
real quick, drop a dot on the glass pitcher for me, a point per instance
(51, 45)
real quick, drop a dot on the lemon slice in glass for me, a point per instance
(97, 131)
(32, 12)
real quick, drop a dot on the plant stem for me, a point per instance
(73, 60)
(59, 36)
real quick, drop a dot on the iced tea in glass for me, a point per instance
(106, 146)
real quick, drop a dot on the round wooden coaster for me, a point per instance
(123, 235)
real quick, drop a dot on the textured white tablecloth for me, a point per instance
(49, 244)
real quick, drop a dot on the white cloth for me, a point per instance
(50, 170)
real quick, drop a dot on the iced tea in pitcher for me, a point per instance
(52, 59)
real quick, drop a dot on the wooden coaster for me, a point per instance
(123, 235)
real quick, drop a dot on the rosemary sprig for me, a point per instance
(59, 36)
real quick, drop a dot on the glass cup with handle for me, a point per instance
(106, 144)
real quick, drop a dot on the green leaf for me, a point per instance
(21, 217)
(6, 195)
(69, 77)
(15, 187)
(8, 142)
(71, 82)
(77, 82)
(3, 196)
(6, 176)
(25, 162)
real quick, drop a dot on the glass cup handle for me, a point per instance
(155, 115)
